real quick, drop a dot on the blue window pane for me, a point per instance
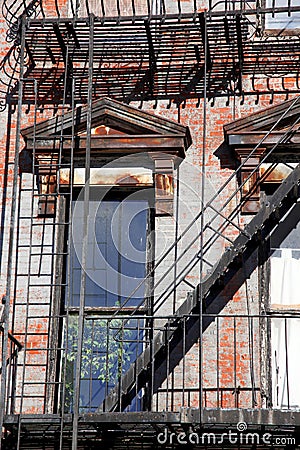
(116, 253)
(109, 347)
(115, 267)
(284, 20)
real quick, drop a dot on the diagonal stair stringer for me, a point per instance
(164, 343)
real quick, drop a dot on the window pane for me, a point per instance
(109, 347)
(116, 254)
(282, 21)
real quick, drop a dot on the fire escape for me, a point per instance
(55, 65)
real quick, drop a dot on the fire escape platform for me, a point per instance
(277, 419)
(150, 58)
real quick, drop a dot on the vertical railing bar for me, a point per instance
(235, 362)
(52, 281)
(85, 236)
(13, 219)
(183, 360)
(118, 8)
(9, 370)
(136, 356)
(87, 7)
(270, 390)
(119, 243)
(14, 381)
(77, 8)
(251, 342)
(72, 8)
(91, 365)
(103, 8)
(218, 363)
(179, 7)
(107, 358)
(286, 361)
(152, 365)
(4, 207)
(121, 341)
(149, 8)
(167, 364)
(250, 339)
(68, 274)
(133, 7)
(17, 237)
(57, 8)
(176, 238)
(120, 344)
(142, 333)
(203, 162)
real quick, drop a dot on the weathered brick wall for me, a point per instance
(226, 354)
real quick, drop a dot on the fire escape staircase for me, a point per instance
(162, 355)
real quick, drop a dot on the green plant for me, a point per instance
(109, 346)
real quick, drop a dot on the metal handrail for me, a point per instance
(217, 214)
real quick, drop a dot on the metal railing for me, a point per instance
(10, 368)
(235, 372)
(221, 225)
(249, 361)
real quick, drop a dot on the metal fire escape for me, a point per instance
(200, 308)
(54, 65)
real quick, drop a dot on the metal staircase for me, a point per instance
(156, 362)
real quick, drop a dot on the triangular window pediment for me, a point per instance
(260, 139)
(115, 130)
(109, 113)
(268, 125)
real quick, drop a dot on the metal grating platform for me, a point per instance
(150, 58)
(141, 430)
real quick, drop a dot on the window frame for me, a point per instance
(114, 193)
(120, 193)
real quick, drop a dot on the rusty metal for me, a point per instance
(174, 69)
(108, 177)
(274, 174)
(164, 186)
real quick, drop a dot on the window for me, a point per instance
(284, 22)
(285, 309)
(112, 7)
(118, 234)
(116, 254)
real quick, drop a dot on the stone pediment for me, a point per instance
(267, 126)
(116, 130)
(122, 121)
(271, 135)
